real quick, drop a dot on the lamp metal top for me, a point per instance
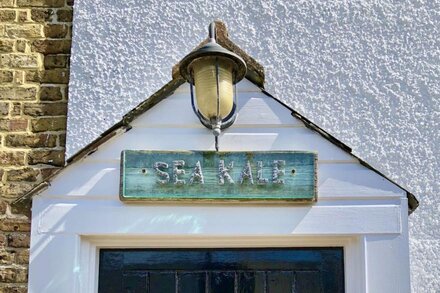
(213, 49)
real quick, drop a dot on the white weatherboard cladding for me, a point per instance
(81, 211)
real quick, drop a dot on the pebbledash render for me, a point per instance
(35, 42)
(77, 208)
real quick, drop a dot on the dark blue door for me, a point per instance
(268, 270)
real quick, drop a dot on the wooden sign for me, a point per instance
(209, 175)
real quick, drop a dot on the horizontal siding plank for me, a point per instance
(235, 139)
(113, 218)
(253, 109)
(353, 181)
(345, 181)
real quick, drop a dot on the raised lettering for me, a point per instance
(197, 175)
(177, 171)
(278, 171)
(260, 179)
(161, 174)
(223, 172)
(246, 174)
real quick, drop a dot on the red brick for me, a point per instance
(31, 140)
(13, 124)
(11, 158)
(45, 109)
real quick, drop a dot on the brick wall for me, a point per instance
(35, 40)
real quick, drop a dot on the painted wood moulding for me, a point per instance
(218, 176)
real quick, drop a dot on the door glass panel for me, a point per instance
(280, 282)
(221, 282)
(191, 282)
(162, 282)
(308, 282)
(135, 282)
(265, 270)
(251, 282)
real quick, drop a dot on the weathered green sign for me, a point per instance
(209, 175)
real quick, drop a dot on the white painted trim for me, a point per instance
(116, 218)
(354, 254)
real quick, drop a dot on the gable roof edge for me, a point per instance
(164, 92)
(413, 203)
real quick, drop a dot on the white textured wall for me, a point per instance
(369, 73)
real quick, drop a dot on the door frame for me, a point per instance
(89, 246)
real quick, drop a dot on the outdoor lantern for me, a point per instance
(213, 71)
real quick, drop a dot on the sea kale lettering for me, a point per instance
(225, 173)
(226, 176)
